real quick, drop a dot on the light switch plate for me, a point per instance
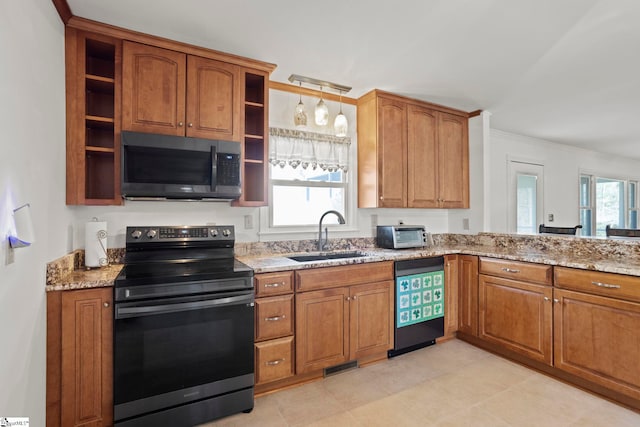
(550, 217)
(248, 222)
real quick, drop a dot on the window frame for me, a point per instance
(593, 177)
(313, 184)
(350, 229)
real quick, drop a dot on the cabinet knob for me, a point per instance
(546, 298)
(180, 124)
(381, 198)
(347, 299)
(556, 300)
(354, 297)
(106, 304)
(190, 125)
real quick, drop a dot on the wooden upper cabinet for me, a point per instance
(173, 93)
(392, 152)
(453, 161)
(411, 154)
(154, 88)
(422, 151)
(213, 107)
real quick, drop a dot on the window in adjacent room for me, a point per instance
(308, 176)
(607, 201)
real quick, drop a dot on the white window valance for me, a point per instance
(300, 148)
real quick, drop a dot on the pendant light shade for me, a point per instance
(322, 112)
(300, 116)
(340, 124)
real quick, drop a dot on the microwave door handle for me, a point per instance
(214, 167)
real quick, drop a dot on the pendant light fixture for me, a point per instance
(322, 112)
(340, 124)
(300, 116)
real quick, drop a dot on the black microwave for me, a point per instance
(175, 167)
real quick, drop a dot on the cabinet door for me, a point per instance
(322, 333)
(450, 296)
(422, 156)
(597, 338)
(392, 153)
(453, 161)
(517, 316)
(153, 89)
(371, 319)
(213, 99)
(468, 294)
(87, 358)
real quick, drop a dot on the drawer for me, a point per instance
(598, 283)
(268, 284)
(274, 360)
(523, 271)
(344, 275)
(274, 317)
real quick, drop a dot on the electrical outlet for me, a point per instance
(550, 217)
(465, 223)
(248, 222)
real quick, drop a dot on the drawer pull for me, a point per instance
(274, 318)
(274, 362)
(510, 270)
(605, 285)
(273, 285)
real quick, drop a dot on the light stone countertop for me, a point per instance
(622, 257)
(610, 264)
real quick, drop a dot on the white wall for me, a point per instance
(562, 167)
(32, 152)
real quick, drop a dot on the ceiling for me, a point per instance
(567, 71)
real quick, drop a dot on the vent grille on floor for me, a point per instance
(332, 370)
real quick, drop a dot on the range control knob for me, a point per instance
(214, 232)
(226, 232)
(136, 234)
(151, 233)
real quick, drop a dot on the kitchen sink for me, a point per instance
(323, 257)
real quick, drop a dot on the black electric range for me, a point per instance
(184, 327)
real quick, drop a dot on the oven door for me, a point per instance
(172, 351)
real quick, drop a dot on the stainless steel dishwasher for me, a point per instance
(419, 304)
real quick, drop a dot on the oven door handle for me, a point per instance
(150, 310)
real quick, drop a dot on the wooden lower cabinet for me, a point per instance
(517, 316)
(336, 325)
(80, 358)
(274, 329)
(468, 294)
(370, 319)
(598, 339)
(450, 296)
(274, 360)
(322, 330)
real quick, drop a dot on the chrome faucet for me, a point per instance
(322, 242)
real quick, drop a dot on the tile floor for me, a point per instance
(449, 384)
